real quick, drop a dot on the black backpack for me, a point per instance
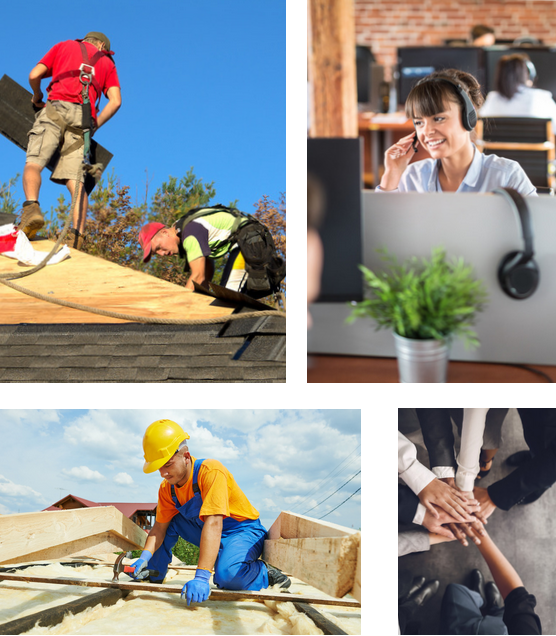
(265, 268)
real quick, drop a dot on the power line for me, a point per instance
(343, 502)
(347, 482)
(325, 478)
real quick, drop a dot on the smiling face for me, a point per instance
(443, 134)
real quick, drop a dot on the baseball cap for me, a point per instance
(99, 36)
(146, 235)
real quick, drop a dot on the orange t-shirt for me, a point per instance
(219, 490)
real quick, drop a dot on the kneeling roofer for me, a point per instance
(200, 501)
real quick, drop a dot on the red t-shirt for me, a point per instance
(67, 56)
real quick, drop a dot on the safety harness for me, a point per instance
(86, 74)
(265, 268)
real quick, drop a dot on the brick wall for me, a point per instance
(384, 25)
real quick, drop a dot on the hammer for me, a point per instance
(127, 569)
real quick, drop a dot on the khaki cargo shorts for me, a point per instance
(45, 139)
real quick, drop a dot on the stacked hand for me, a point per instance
(453, 514)
(456, 503)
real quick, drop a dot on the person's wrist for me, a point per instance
(146, 554)
(204, 575)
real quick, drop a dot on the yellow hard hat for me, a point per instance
(161, 440)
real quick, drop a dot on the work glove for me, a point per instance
(140, 566)
(197, 590)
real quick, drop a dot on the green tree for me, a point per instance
(8, 204)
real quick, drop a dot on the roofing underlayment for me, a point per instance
(44, 342)
(326, 553)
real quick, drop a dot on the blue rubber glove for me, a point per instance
(197, 590)
(140, 565)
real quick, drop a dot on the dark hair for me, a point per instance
(479, 30)
(429, 97)
(511, 73)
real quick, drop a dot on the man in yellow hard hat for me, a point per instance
(200, 501)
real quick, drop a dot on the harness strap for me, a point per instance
(196, 213)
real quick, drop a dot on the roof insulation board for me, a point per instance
(163, 613)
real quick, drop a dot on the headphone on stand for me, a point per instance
(518, 273)
(468, 112)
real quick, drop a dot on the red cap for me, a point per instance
(146, 235)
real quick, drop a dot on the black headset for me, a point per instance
(468, 112)
(531, 69)
(518, 273)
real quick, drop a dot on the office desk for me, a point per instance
(336, 369)
(379, 132)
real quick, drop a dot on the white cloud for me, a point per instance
(9, 489)
(268, 504)
(124, 479)
(83, 473)
(282, 482)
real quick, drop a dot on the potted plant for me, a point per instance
(426, 303)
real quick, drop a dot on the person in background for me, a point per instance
(443, 107)
(315, 205)
(482, 35)
(464, 610)
(514, 95)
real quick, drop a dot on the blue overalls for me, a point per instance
(237, 565)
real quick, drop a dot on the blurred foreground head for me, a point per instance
(315, 211)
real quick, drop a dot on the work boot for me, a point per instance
(31, 219)
(75, 239)
(277, 577)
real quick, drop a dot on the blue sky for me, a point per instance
(282, 459)
(203, 86)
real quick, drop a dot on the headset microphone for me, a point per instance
(518, 273)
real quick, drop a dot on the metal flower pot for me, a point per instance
(422, 360)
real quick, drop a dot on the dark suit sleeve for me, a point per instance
(539, 472)
(519, 613)
(407, 504)
(438, 436)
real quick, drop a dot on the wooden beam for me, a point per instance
(216, 594)
(66, 533)
(331, 68)
(289, 525)
(325, 625)
(55, 615)
(320, 553)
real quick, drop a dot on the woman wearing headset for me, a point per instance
(514, 95)
(444, 107)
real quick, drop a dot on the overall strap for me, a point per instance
(196, 489)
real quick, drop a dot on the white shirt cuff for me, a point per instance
(419, 514)
(417, 477)
(465, 480)
(444, 472)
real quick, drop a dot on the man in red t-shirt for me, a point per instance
(59, 124)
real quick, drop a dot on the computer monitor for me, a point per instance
(544, 59)
(415, 62)
(336, 164)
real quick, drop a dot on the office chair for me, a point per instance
(527, 140)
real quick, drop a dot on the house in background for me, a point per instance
(143, 514)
